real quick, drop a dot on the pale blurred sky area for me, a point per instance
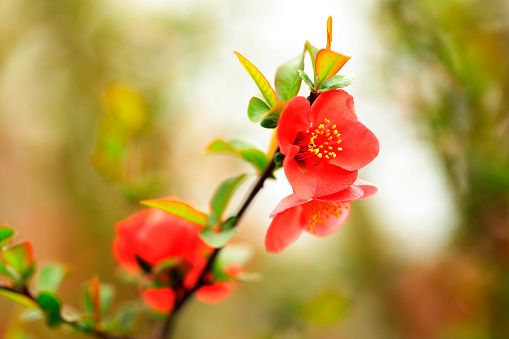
(414, 209)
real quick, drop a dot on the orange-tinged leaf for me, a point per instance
(328, 63)
(179, 209)
(21, 259)
(95, 297)
(262, 83)
(329, 32)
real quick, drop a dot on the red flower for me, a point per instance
(155, 236)
(319, 216)
(324, 144)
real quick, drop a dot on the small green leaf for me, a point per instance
(217, 239)
(235, 254)
(223, 195)
(328, 63)
(248, 277)
(257, 109)
(50, 277)
(51, 305)
(240, 149)
(326, 309)
(262, 83)
(21, 259)
(31, 315)
(98, 298)
(272, 117)
(287, 78)
(306, 79)
(19, 299)
(312, 51)
(269, 122)
(6, 233)
(255, 157)
(125, 318)
(179, 209)
(337, 81)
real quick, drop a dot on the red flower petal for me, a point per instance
(293, 120)
(368, 188)
(329, 222)
(287, 203)
(328, 178)
(160, 300)
(360, 146)
(302, 184)
(285, 229)
(336, 105)
(216, 292)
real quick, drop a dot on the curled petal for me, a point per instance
(287, 203)
(285, 229)
(368, 188)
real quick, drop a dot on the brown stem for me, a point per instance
(75, 324)
(169, 324)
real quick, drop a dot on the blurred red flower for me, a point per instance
(153, 237)
(324, 144)
(319, 216)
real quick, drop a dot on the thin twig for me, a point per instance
(169, 323)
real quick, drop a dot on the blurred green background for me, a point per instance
(105, 103)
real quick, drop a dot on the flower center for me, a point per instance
(320, 211)
(322, 143)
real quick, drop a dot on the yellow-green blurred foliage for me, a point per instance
(450, 67)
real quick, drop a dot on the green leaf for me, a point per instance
(269, 122)
(306, 79)
(125, 318)
(329, 32)
(337, 81)
(257, 109)
(6, 233)
(51, 305)
(235, 254)
(19, 299)
(248, 277)
(240, 149)
(218, 239)
(179, 209)
(223, 195)
(328, 63)
(287, 78)
(272, 117)
(326, 309)
(262, 83)
(312, 51)
(98, 298)
(31, 315)
(255, 157)
(21, 259)
(50, 277)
